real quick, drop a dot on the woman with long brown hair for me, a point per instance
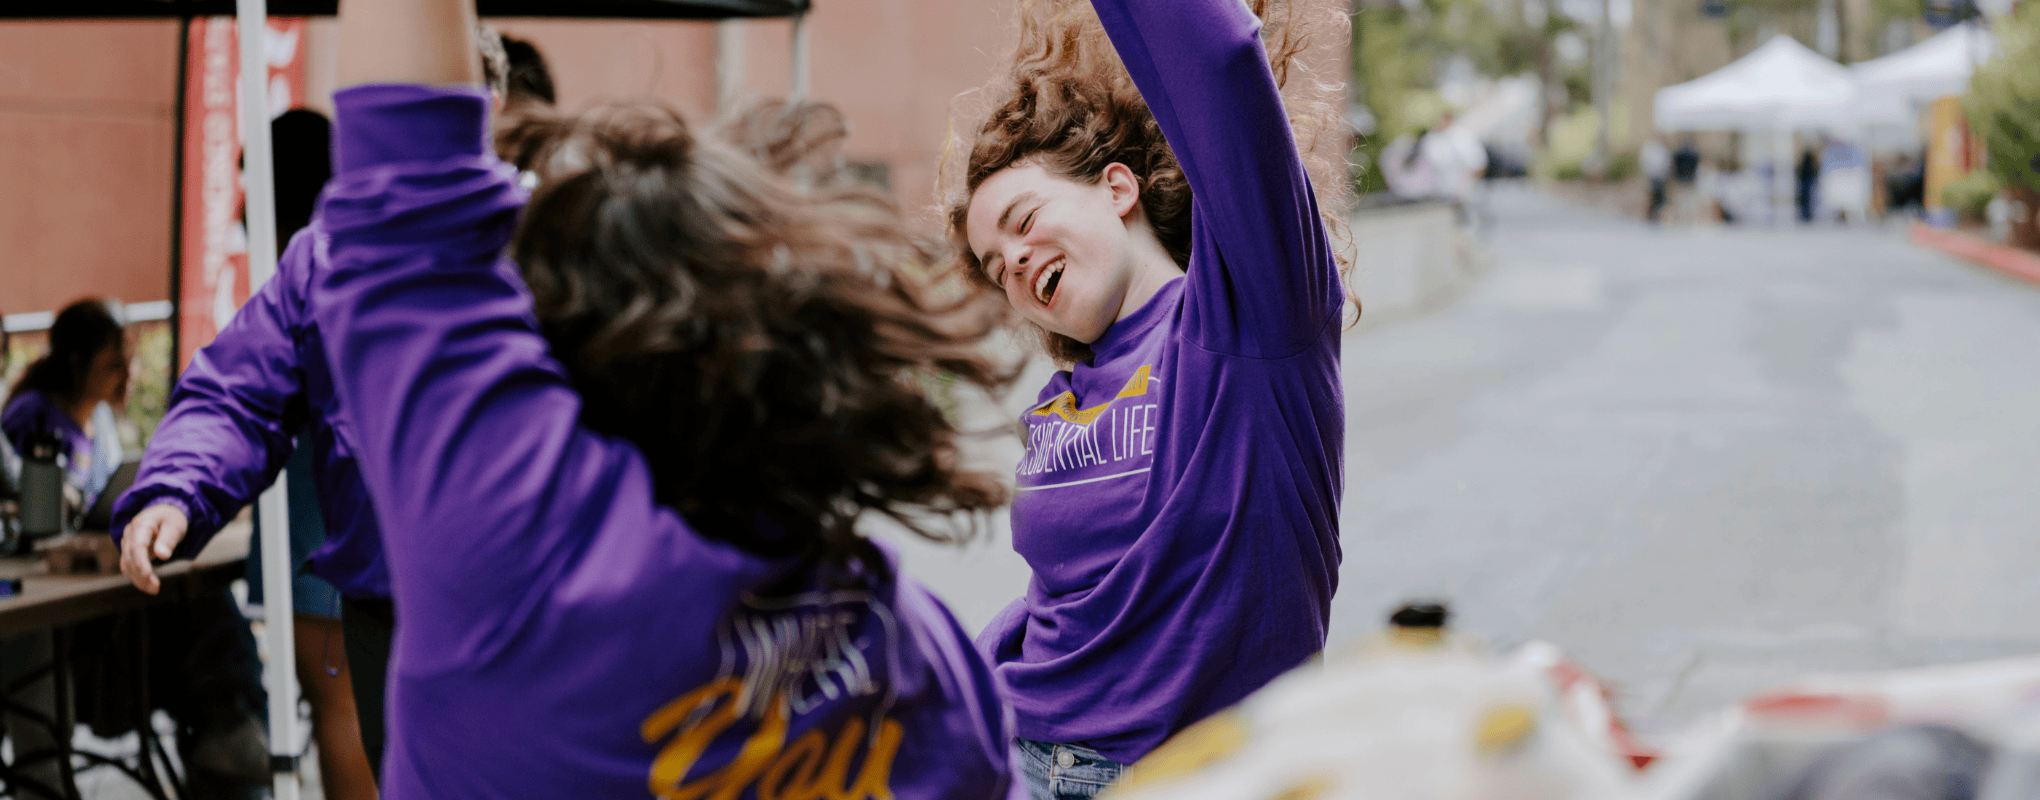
(618, 496)
(1139, 194)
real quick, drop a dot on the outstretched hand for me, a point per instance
(152, 536)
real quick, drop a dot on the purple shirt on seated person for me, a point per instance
(560, 633)
(1179, 496)
(33, 412)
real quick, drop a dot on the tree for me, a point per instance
(2004, 110)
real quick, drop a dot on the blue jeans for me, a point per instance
(1065, 771)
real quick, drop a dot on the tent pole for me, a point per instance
(729, 63)
(260, 184)
(177, 119)
(799, 90)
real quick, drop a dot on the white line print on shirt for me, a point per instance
(1086, 480)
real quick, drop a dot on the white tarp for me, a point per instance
(1767, 90)
(1935, 68)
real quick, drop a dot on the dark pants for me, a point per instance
(369, 626)
(1657, 199)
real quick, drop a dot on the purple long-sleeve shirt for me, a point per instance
(232, 420)
(1178, 500)
(560, 634)
(32, 412)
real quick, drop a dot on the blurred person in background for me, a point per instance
(1806, 178)
(1844, 187)
(1407, 166)
(529, 82)
(1656, 162)
(1685, 198)
(71, 392)
(1905, 186)
(203, 669)
(1456, 152)
(258, 396)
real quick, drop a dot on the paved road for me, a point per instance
(1700, 461)
(1703, 461)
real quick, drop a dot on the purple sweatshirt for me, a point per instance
(1178, 500)
(33, 412)
(232, 419)
(560, 634)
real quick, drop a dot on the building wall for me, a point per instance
(86, 129)
(85, 161)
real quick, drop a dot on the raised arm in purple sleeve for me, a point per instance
(232, 415)
(1262, 281)
(467, 429)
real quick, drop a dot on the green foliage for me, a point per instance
(149, 382)
(1623, 166)
(2004, 101)
(1969, 196)
(1398, 48)
(1572, 142)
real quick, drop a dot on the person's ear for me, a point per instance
(1119, 180)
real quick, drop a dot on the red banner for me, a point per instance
(215, 274)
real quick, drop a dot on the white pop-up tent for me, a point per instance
(1760, 91)
(1932, 69)
(1779, 88)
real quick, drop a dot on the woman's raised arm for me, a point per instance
(1272, 285)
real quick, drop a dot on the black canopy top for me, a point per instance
(614, 9)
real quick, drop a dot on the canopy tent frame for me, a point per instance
(260, 220)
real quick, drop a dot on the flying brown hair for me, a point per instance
(1066, 102)
(800, 140)
(761, 344)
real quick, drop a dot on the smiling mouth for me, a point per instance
(1046, 281)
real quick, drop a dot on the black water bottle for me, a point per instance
(42, 489)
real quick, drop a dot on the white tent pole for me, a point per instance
(259, 183)
(799, 91)
(729, 63)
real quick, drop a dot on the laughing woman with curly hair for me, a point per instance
(1154, 217)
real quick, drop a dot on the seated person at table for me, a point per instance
(203, 667)
(619, 496)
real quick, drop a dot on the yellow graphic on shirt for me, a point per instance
(785, 659)
(1065, 405)
(812, 767)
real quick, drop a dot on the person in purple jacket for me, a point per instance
(259, 395)
(1178, 497)
(619, 509)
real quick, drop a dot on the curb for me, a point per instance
(1977, 250)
